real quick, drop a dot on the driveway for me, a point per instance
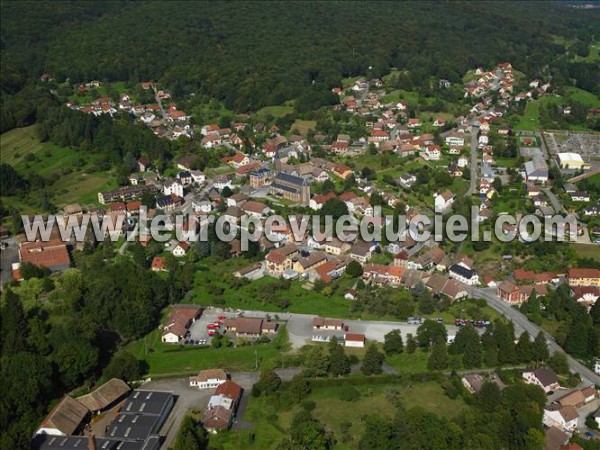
(8, 256)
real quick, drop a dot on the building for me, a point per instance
(561, 417)
(65, 419)
(463, 274)
(250, 327)
(208, 379)
(261, 177)
(354, 340)
(455, 139)
(53, 255)
(105, 396)
(543, 377)
(583, 277)
(179, 321)
(570, 161)
(508, 292)
(222, 407)
(123, 194)
(319, 323)
(536, 170)
(291, 188)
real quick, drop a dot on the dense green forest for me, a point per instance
(250, 55)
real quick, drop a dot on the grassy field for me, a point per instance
(304, 126)
(70, 170)
(168, 360)
(272, 422)
(587, 251)
(275, 111)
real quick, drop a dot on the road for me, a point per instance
(523, 324)
(8, 256)
(474, 176)
(556, 204)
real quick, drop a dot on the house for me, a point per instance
(336, 247)
(583, 277)
(561, 417)
(209, 379)
(443, 202)
(201, 205)
(181, 249)
(250, 271)
(351, 295)
(250, 327)
(543, 377)
(580, 196)
(277, 262)
(52, 254)
(455, 139)
(173, 187)
(143, 164)
(454, 290)
(310, 262)
(407, 180)
(361, 251)
(65, 419)
(431, 153)
(578, 397)
(354, 340)
(158, 264)
(473, 382)
(508, 292)
(555, 439)
(178, 322)
(319, 323)
(463, 274)
(585, 294)
(342, 171)
(168, 202)
(317, 202)
(255, 209)
(462, 162)
(222, 407)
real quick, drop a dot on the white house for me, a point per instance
(463, 274)
(455, 139)
(463, 161)
(201, 205)
(181, 249)
(173, 187)
(208, 379)
(562, 417)
(543, 377)
(354, 340)
(198, 176)
(443, 202)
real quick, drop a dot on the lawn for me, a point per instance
(272, 422)
(587, 251)
(171, 360)
(70, 170)
(304, 126)
(275, 111)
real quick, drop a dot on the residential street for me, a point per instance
(556, 204)
(523, 324)
(473, 182)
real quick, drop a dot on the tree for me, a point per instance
(339, 364)
(559, 363)
(298, 388)
(426, 301)
(373, 361)
(268, 384)
(316, 362)
(411, 343)
(354, 269)
(14, 325)
(393, 344)
(524, 348)
(438, 360)
(191, 435)
(488, 398)
(335, 208)
(306, 433)
(430, 333)
(539, 349)
(468, 344)
(124, 366)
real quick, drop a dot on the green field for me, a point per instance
(69, 170)
(587, 251)
(272, 422)
(304, 126)
(172, 360)
(275, 111)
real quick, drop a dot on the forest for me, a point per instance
(299, 51)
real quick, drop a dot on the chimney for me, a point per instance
(91, 441)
